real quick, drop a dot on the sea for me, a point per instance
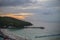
(51, 31)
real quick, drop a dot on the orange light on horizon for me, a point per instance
(17, 16)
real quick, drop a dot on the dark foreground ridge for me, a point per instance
(9, 22)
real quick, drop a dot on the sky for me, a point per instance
(44, 10)
(41, 13)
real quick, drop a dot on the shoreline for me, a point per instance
(12, 35)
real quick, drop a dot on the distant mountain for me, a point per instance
(9, 22)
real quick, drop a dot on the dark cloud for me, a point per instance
(52, 3)
(14, 2)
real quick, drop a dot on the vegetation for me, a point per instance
(6, 22)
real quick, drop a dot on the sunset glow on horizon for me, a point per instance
(17, 16)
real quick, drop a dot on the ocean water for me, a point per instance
(34, 34)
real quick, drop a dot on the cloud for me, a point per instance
(32, 6)
(14, 2)
(17, 16)
(48, 3)
(51, 3)
(30, 9)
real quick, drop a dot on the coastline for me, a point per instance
(12, 35)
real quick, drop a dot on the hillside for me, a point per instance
(6, 22)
